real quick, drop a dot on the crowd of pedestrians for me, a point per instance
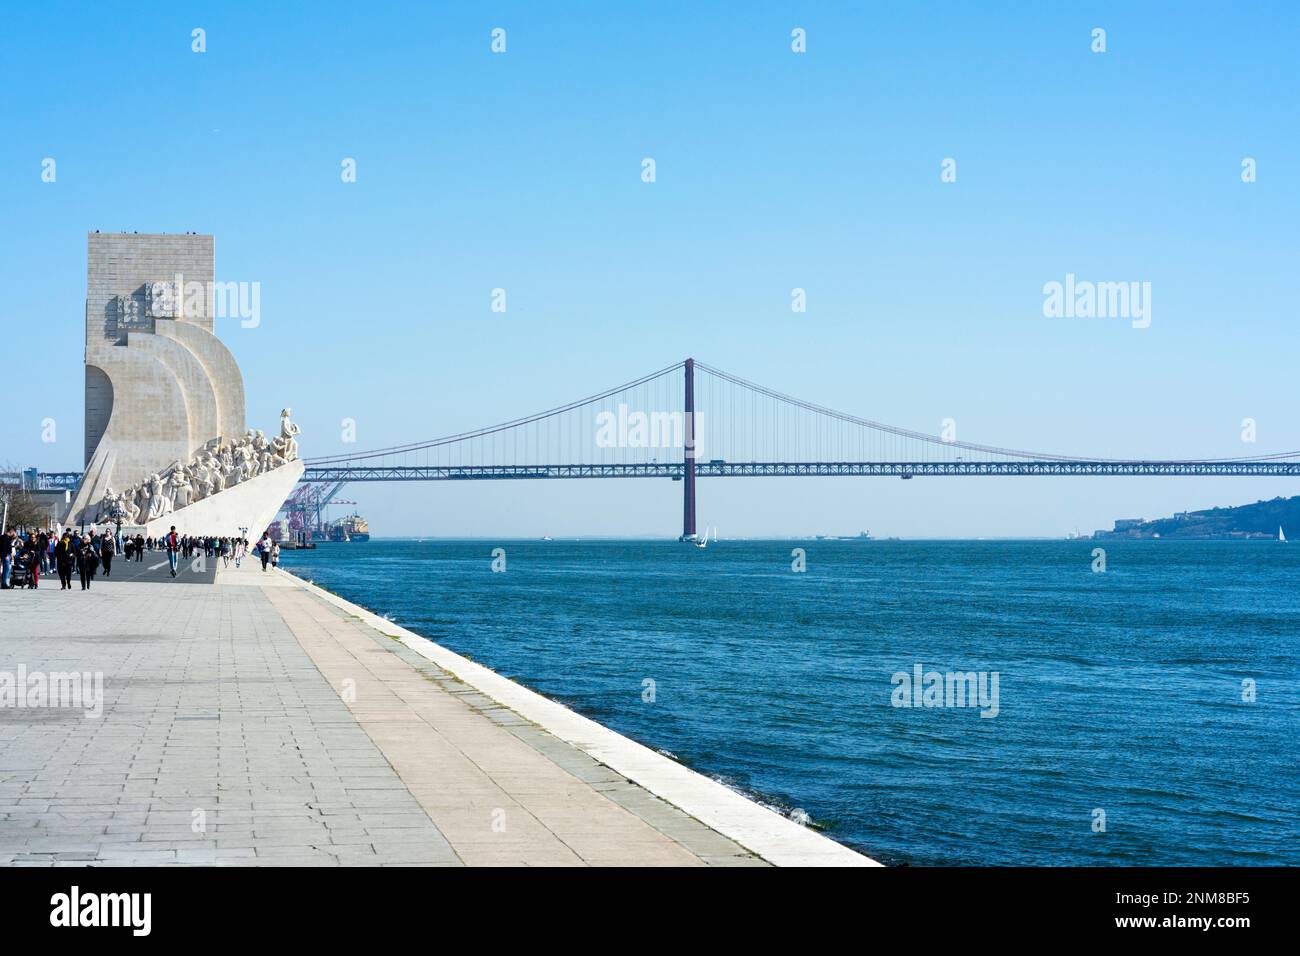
(27, 554)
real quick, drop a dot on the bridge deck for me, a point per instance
(724, 469)
(341, 474)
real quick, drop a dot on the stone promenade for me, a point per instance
(252, 722)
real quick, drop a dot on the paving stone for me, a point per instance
(224, 740)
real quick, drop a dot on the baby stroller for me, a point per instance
(20, 575)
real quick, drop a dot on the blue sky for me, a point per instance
(774, 171)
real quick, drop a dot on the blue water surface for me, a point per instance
(1119, 692)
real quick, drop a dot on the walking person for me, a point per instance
(32, 555)
(264, 549)
(7, 541)
(139, 547)
(239, 552)
(64, 557)
(173, 545)
(106, 551)
(87, 563)
(275, 555)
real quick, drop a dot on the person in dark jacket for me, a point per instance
(8, 540)
(139, 547)
(87, 563)
(64, 558)
(107, 549)
(173, 545)
(32, 555)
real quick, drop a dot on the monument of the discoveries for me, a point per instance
(165, 436)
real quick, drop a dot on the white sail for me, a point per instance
(1281, 536)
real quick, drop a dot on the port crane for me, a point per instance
(305, 509)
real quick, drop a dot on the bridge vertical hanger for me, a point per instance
(688, 460)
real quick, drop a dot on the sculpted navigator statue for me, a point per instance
(180, 488)
(140, 498)
(244, 461)
(160, 504)
(113, 508)
(219, 465)
(288, 431)
(206, 473)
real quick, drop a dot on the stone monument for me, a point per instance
(165, 399)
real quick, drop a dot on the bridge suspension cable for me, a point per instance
(936, 440)
(503, 426)
(638, 425)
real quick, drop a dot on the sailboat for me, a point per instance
(1281, 535)
(703, 540)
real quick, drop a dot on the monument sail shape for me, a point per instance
(165, 398)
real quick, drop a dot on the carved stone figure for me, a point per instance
(204, 476)
(111, 508)
(141, 502)
(215, 476)
(218, 465)
(159, 504)
(288, 431)
(180, 489)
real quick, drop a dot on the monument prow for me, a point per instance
(165, 399)
(244, 510)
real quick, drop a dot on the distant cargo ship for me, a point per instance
(352, 528)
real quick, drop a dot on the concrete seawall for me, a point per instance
(261, 720)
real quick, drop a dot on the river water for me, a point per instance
(1119, 727)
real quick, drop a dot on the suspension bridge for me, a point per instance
(691, 420)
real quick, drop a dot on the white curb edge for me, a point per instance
(764, 832)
